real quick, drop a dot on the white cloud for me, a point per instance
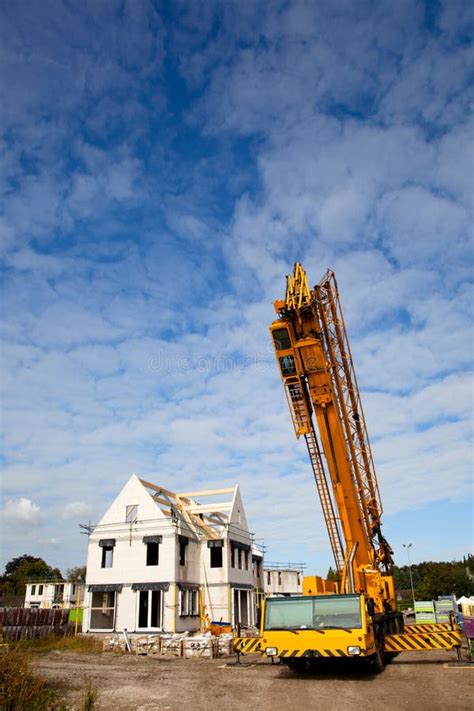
(75, 509)
(21, 512)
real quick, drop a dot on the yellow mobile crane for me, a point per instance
(357, 616)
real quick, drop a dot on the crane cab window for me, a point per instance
(281, 339)
(327, 612)
(287, 365)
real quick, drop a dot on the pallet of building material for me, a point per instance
(425, 612)
(114, 644)
(173, 644)
(150, 644)
(204, 646)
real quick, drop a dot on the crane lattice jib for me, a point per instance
(297, 396)
(348, 401)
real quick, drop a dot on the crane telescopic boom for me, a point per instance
(314, 356)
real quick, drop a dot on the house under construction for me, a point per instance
(159, 561)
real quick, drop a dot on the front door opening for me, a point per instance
(149, 609)
(244, 609)
(102, 611)
(241, 607)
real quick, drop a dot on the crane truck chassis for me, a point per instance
(355, 616)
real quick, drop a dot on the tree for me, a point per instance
(19, 570)
(15, 563)
(444, 579)
(76, 575)
(431, 579)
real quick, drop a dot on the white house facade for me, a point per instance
(53, 593)
(165, 562)
(282, 580)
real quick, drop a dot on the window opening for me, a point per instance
(131, 513)
(287, 365)
(216, 557)
(281, 339)
(149, 609)
(152, 553)
(183, 543)
(107, 557)
(102, 610)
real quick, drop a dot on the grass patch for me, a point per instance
(90, 699)
(22, 688)
(81, 643)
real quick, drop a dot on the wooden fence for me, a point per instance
(28, 623)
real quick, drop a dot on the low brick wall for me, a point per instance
(25, 623)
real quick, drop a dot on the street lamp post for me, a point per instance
(407, 546)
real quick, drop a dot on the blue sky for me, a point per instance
(163, 166)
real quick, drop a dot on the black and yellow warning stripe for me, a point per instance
(285, 653)
(410, 642)
(252, 645)
(432, 627)
(247, 645)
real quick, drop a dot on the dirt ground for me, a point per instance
(128, 683)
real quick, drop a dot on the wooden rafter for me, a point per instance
(208, 492)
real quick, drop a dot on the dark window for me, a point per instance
(143, 609)
(246, 554)
(40, 589)
(155, 608)
(182, 551)
(152, 553)
(107, 556)
(149, 609)
(287, 365)
(239, 557)
(281, 339)
(216, 557)
(33, 589)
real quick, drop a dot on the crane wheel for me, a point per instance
(377, 661)
(298, 665)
